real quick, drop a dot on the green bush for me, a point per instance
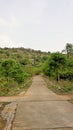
(55, 65)
(11, 68)
(24, 61)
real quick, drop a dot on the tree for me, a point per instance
(69, 49)
(55, 65)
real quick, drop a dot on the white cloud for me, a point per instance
(13, 22)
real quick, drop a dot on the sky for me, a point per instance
(45, 25)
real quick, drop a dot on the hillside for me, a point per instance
(17, 66)
(33, 56)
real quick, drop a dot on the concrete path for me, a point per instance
(41, 109)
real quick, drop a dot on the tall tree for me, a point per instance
(69, 49)
(55, 65)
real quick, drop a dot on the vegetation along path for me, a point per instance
(41, 109)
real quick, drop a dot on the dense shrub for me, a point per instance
(55, 65)
(11, 68)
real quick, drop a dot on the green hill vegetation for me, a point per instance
(59, 67)
(18, 65)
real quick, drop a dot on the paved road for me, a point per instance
(41, 109)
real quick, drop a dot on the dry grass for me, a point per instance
(61, 87)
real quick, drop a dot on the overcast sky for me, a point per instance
(45, 25)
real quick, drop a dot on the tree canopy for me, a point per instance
(11, 68)
(55, 65)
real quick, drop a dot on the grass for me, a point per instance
(27, 84)
(14, 88)
(61, 87)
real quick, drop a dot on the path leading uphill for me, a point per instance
(41, 109)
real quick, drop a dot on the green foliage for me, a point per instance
(3, 87)
(67, 72)
(69, 49)
(55, 65)
(65, 87)
(37, 71)
(11, 68)
(61, 87)
(60, 66)
(44, 58)
(17, 66)
(24, 61)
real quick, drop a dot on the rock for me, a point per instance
(8, 114)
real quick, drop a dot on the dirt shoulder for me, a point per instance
(21, 96)
(55, 87)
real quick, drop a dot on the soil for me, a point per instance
(69, 97)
